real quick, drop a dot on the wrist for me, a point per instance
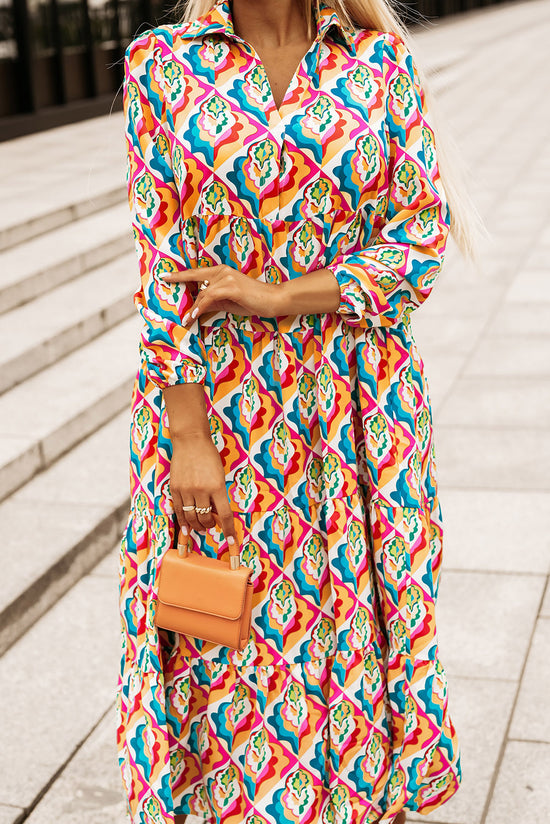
(280, 299)
(190, 436)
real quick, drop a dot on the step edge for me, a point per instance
(32, 603)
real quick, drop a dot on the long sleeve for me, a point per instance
(382, 283)
(172, 353)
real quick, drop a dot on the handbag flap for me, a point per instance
(202, 584)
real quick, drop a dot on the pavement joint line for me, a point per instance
(53, 778)
(497, 427)
(505, 736)
(456, 677)
(539, 616)
(472, 487)
(518, 573)
(530, 741)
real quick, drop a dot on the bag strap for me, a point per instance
(234, 550)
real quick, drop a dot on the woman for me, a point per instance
(289, 214)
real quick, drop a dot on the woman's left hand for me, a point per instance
(228, 291)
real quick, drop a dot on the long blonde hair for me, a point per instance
(467, 226)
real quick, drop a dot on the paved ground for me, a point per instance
(485, 338)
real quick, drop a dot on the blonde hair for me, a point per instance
(466, 226)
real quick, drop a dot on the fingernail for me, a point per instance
(230, 539)
(185, 530)
(185, 319)
(195, 312)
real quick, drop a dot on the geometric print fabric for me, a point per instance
(337, 710)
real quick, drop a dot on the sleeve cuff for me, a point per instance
(355, 305)
(168, 373)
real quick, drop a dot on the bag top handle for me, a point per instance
(234, 550)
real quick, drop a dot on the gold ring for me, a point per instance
(188, 508)
(204, 284)
(203, 510)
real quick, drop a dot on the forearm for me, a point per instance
(186, 408)
(312, 293)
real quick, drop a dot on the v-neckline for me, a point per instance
(274, 111)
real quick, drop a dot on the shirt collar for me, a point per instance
(220, 21)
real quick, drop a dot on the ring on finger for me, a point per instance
(202, 510)
(204, 284)
(188, 508)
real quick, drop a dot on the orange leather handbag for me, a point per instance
(204, 597)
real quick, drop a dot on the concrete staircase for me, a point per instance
(68, 355)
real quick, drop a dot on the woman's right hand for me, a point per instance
(197, 478)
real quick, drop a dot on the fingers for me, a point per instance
(225, 515)
(188, 275)
(206, 300)
(178, 507)
(221, 514)
(206, 519)
(191, 517)
(222, 287)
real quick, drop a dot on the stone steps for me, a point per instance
(69, 337)
(63, 319)
(49, 413)
(29, 269)
(45, 217)
(60, 524)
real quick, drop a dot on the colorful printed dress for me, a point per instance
(337, 709)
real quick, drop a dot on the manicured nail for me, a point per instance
(195, 312)
(185, 319)
(230, 539)
(185, 530)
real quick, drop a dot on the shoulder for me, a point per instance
(384, 47)
(152, 43)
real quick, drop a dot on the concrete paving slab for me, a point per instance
(65, 318)
(520, 319)
(446, 335)
(108, 567)
(484, 458)
(11, 815)
(77, 395)
(89, 790)
(477, 299)
(485, 620)
(440, 374)
(531, 719)
(545, 607)
(480, 710)
(499, 531)
(512, 357)
(56, 682)
(34, 267)
(530, 285)
(504, 401)
(522, 791)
